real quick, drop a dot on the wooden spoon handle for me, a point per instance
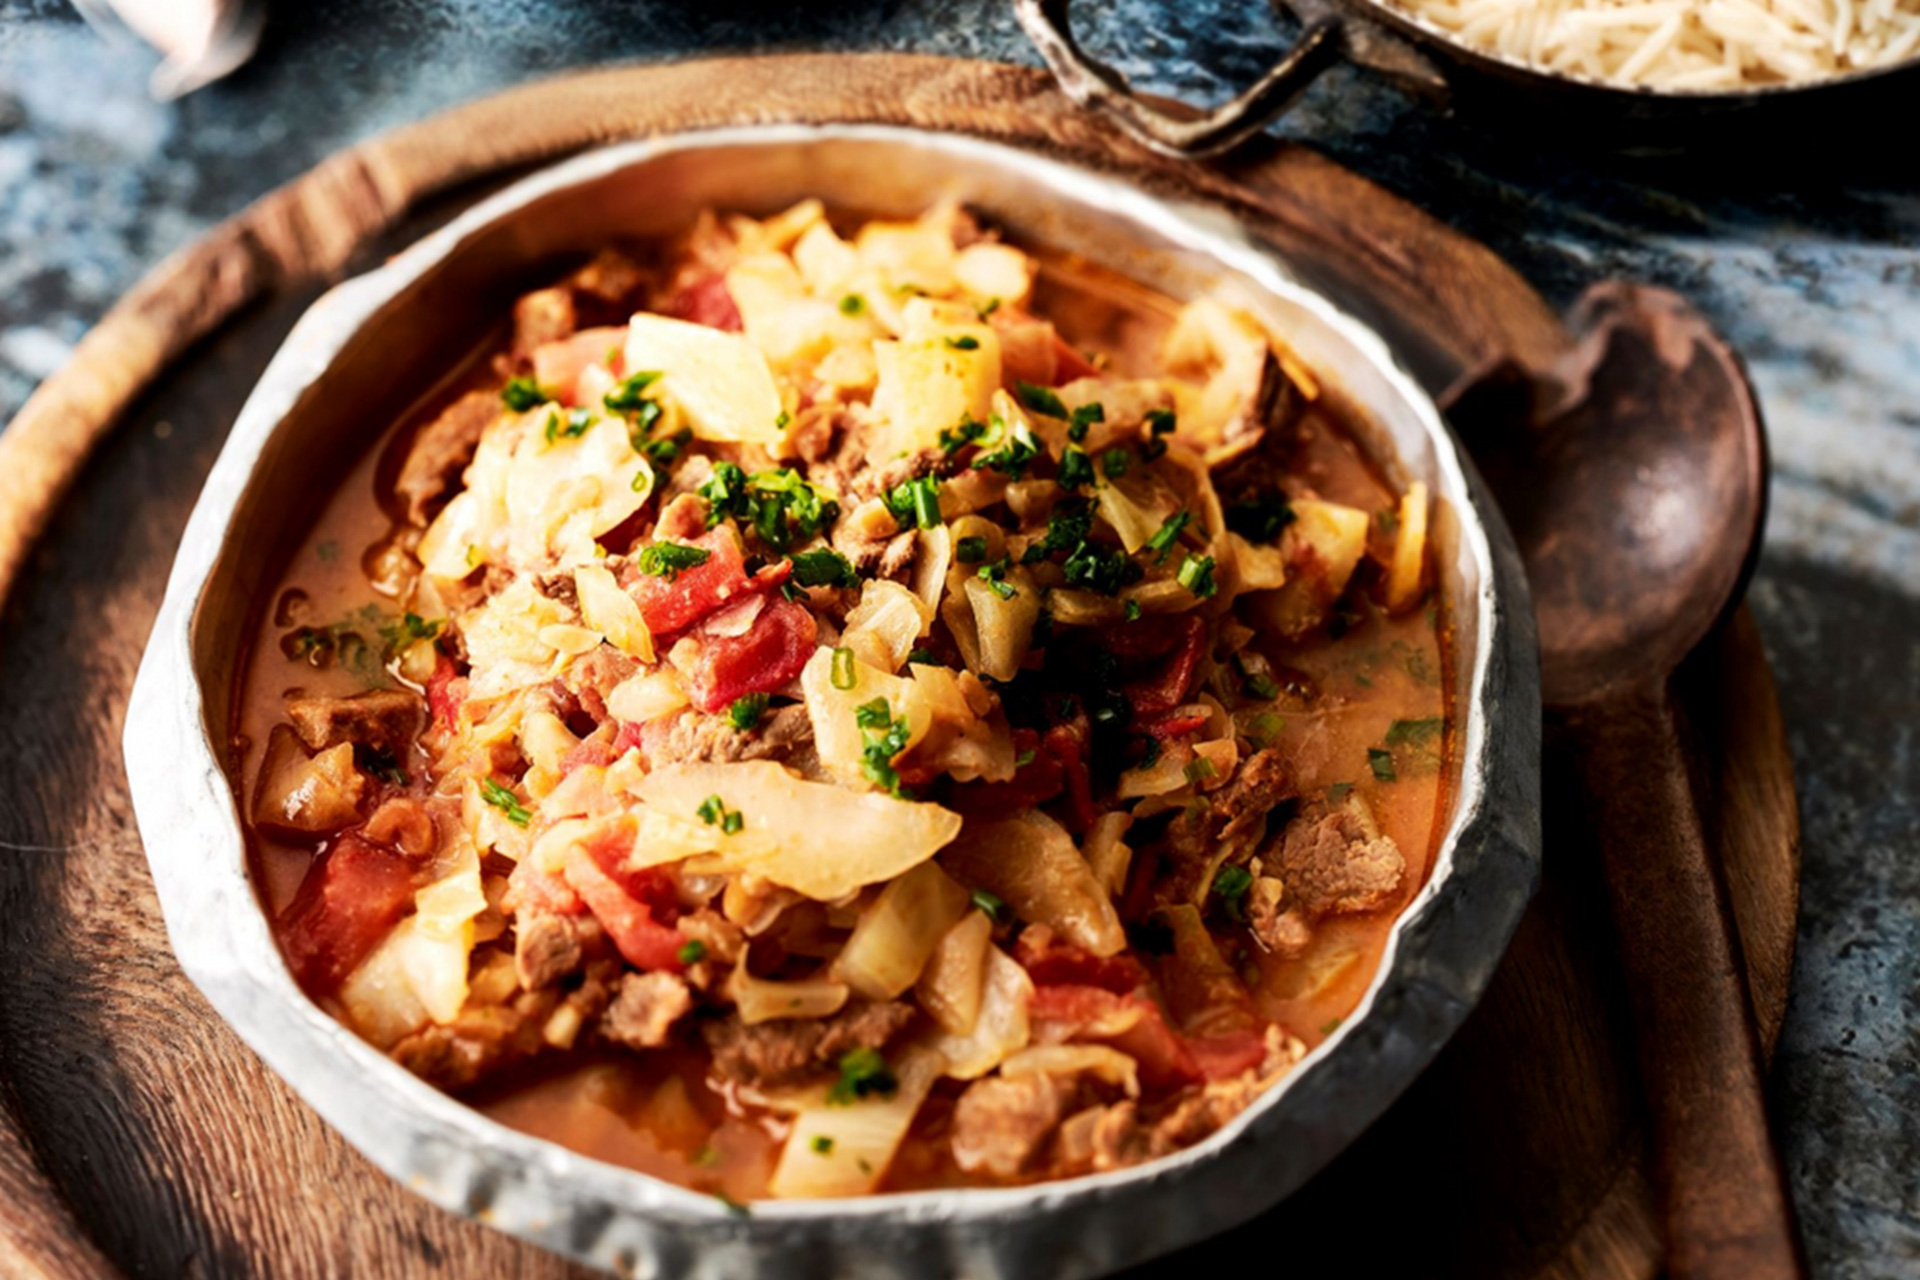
(1727, 1210)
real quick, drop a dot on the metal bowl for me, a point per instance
(373, 344)
(1792, 123)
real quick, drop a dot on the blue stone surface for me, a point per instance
(1816, 280)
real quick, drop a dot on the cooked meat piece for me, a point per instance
(1120, 1139)
(1279, 930)
(558, 587)
(896, 559)
(683, 519)
(692, 737)
(1000, 1125)
(380, 719)
(612, 278)
(771, 1054)
(596, 674)
(481, 1041)
(442, 450)
(1257, 787)
(403, 823)
(644, 1009)
(1338, 862)
(543, 316)
(1234, 816)
(877, 478)
(547, 946)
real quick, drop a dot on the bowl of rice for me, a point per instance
(1632, 75)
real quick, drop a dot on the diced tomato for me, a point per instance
(1050, 962)
(1150, 636)
(1092, 1014)
(352, 897)
(630, 737)
(1068, 364)
(1166, 686)
(1027, 348)
(1177, 723)
(446, 690)
(671, 605)
(1040, 779)
(764, 660)
(1226, 1056)
(1066, 746)
(707, 302)
(595, 750)
(557, 366)
(530, 887)
(643, 940)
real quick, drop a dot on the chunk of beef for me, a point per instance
(1000, 1125)
(682, 519)
(645, 1008)
(596, 674)
(548, 946)
(442, 450)
(602, 292)
(773, 1054)
(1339, 862)
(1235, 817)
(381, 720)
(691, 737)
(482, 1040)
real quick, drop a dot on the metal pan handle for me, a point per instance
(1097, 86)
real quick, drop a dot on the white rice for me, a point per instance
(1686, 45)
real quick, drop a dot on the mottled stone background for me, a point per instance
(1816, 279)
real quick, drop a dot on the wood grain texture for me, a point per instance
(138, 1134)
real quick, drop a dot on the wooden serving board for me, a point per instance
(138, 1136)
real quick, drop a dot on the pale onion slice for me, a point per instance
(1103, 1061)
(994, 273)
(720, 380)
(815, 838)
(1135, 508)
(1410, 551)
(884, 627)
(1000, 1030)
(378, 995)
(1030, 861)
(837, 735)
(648, 696)
(1107, 851)
(898, 932)
(761, 1000)
(1003, 626)
(844, 1150)
(612, 612)
(953, 984)
(435, 958)
(1226, 351)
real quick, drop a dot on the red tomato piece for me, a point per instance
(671, 605)
(1065, 745)
(528, 887)
(765, 659)
(1068, 364)
(1051, 962)
(1164, 1058)
(557, 366)
(351, 898)
(446, 690)
(645, 942)
(1225, 1056)
(1166, 687)
(707, 302)
(628, 739)
(1177, 723)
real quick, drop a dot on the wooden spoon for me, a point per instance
(1636, 498)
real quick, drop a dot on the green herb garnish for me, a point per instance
(955, 438)
(822, 1145)
(916, 503)
(522, 394)
(1381, 762)
(989, 905)
(714, 812)
(746, 711)
(841, 673)
(1230, 885)
(970, 550)
(1260, 519)
(572, 427)
(1114, 463)
(852, 305)
(692, 951)
(885, 738)
(1196, 575)
(1161, 543)
(824, 567)
(670, 559)
(1082, 418)
(995, 576)
(1076, 468)
(965, 342)
(1041, 400)
(506, 802)
(629, 396)
(863, 1074)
